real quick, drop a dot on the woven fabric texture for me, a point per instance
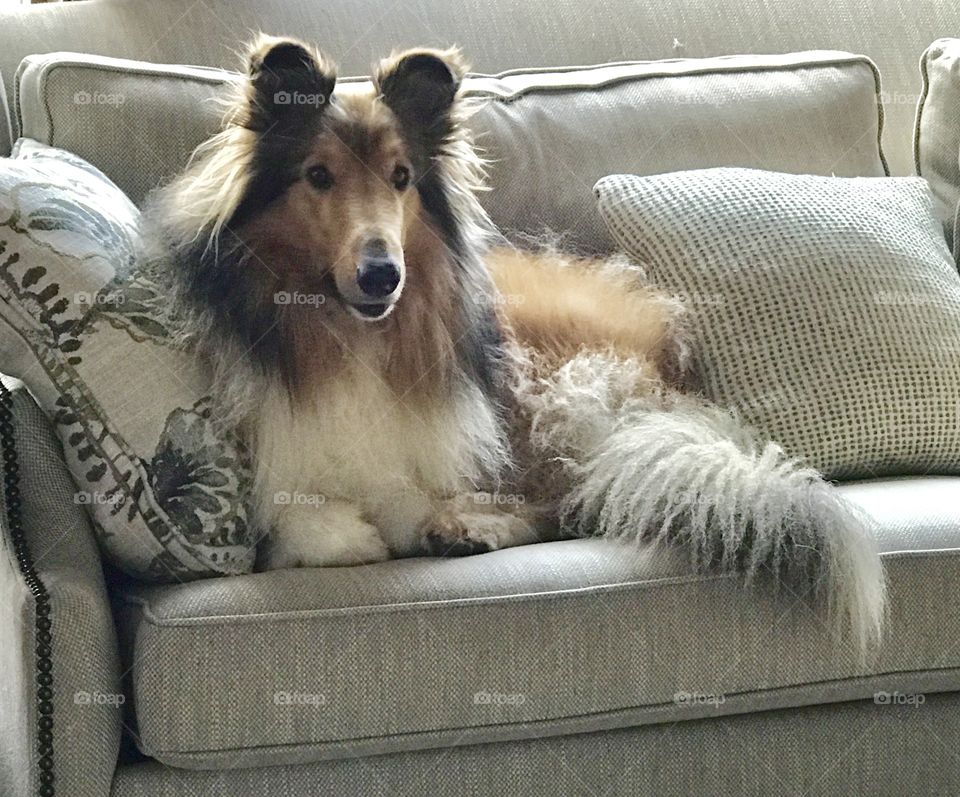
(87, 698)
(885, 749)
(803, 112)
(495, 36)
(825, 310)
(936, 141)
(298, 665)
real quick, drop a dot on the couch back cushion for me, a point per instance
(499, 34)
(936, 142)
(548, 134)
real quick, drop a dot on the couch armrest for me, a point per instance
(6, 123)
(85, 701)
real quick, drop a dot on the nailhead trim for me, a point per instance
(41, 598)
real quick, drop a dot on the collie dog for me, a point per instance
(409, 384)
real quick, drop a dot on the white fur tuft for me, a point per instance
(675, 470)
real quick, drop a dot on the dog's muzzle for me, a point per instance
(379, 278)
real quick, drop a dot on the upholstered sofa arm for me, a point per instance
(60, 700)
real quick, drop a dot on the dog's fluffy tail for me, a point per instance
(684, 472)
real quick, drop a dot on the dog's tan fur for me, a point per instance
(545, 308)
(554, 304)
(418, 337)
(559, 306)
(484, 371)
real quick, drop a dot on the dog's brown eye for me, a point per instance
(320, 178)
(401, 178)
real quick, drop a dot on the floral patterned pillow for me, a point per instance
(86, 331)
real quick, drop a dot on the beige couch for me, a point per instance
(558, 669)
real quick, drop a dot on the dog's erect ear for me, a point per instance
(287, 79)
(420, 87)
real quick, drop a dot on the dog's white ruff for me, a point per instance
(362, 457)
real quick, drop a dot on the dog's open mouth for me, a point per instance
(365, 311)
(369, 312)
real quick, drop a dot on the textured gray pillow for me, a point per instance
(825, 310)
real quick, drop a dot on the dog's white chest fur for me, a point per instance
(360, 443)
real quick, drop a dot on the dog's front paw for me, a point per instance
(466, 533)
(330, 535)
(451, 535)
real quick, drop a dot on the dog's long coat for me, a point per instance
(407, 388)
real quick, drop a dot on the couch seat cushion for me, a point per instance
(565, 637)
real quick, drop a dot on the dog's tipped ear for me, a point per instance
(286, 77)
(275, 54)
(420, 87)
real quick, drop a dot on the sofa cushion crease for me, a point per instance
(147, 615)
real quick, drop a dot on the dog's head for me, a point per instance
(337, 183)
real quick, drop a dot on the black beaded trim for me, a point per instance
(44, 660)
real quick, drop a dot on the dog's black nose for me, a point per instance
(378, 276)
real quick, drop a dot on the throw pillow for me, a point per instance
(825, 310)
(87, 332)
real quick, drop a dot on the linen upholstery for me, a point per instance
(805, 112)
(6, 124)
(393, 656)
(911, 513)
(85, 661)
(937, 136)
(501, 35)
(864, 747)
(826, 311)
